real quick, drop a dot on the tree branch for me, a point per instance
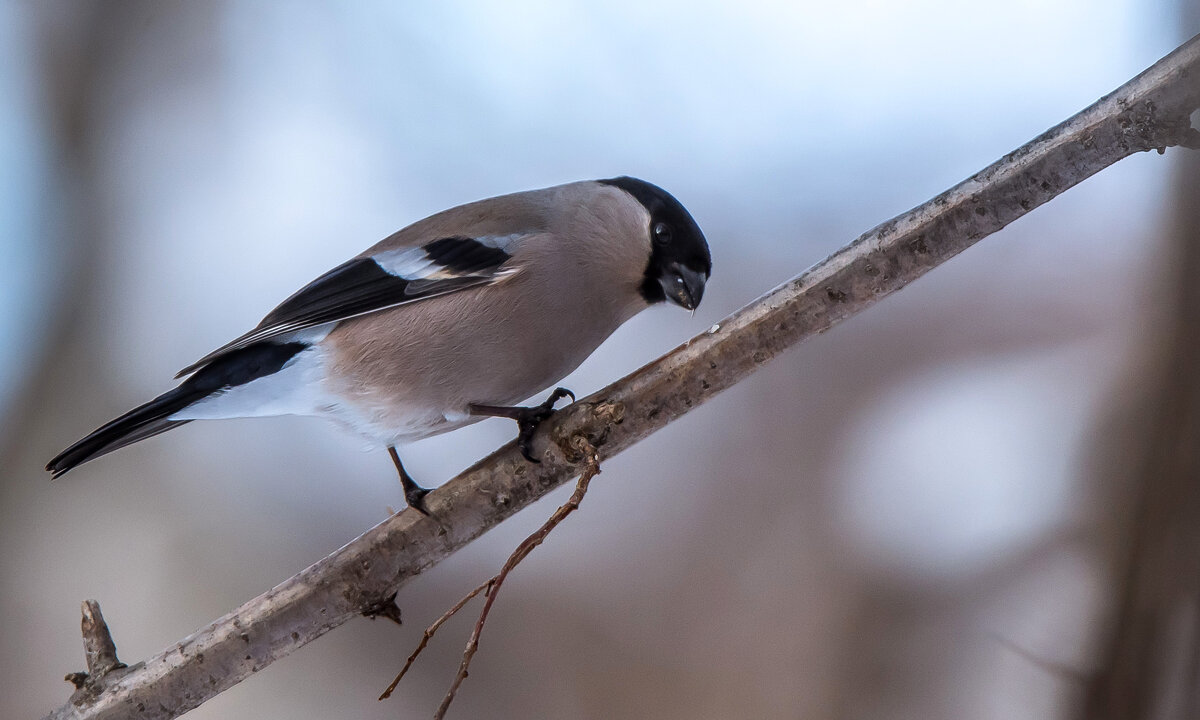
(1149, 112)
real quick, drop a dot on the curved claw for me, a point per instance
(558, 394)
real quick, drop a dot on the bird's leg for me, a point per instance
(528, 418)
(414, 494)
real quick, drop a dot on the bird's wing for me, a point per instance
(383, 280)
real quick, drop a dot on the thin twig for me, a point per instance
(1148, 112)
(428, 634)
(591, 469)
(492, 584)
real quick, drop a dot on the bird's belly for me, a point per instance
(412, 372)
(387, 400)
(393, 423)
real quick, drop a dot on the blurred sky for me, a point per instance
(229, 152)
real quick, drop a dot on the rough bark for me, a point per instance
(1149, 112)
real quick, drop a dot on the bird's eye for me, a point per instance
(662, 233)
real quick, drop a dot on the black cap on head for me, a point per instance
(680, 263)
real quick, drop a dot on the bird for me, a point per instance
(450, 320)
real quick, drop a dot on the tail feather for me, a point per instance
(152, 418)
(138, 424)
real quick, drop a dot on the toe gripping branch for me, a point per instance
(528, 418)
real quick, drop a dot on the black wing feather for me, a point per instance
(349, 289)
(464, 255)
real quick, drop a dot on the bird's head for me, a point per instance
(680, 263)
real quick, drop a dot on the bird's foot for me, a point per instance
(529, 418)
(414, 495)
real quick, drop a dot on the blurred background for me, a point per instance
(921, 514)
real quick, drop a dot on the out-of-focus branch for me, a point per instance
(1149, 112)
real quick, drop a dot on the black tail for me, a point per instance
(137, 424)
(236, 368)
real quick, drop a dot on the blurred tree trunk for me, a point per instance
(1151, 666)
(77, 43)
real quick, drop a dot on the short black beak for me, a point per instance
(683, 286)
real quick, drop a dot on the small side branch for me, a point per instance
(385, 608)
(591, 469)
(491, 586)
(429, 632)
(99, 651)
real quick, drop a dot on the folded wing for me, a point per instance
(381, 281)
